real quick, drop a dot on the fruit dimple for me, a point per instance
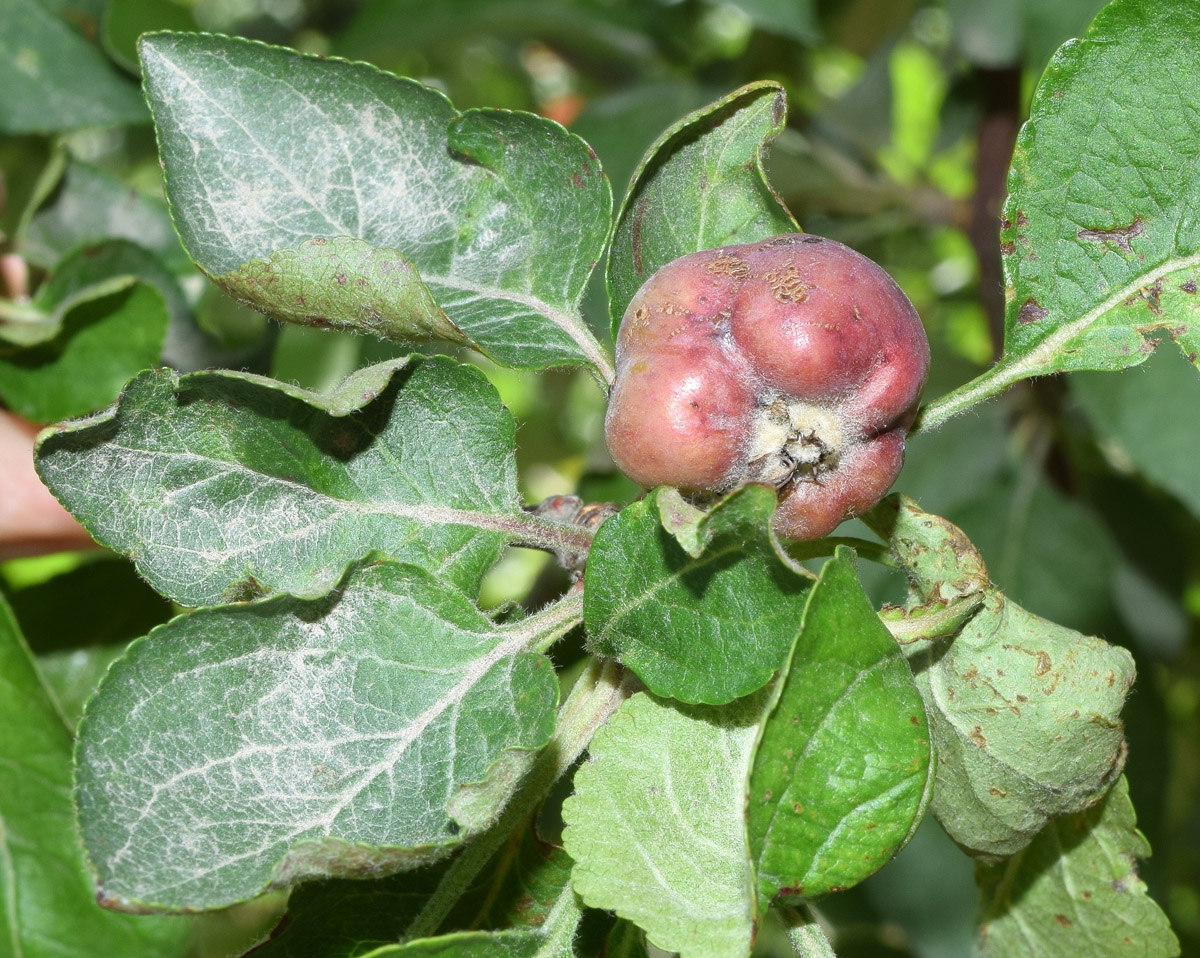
(793, 361)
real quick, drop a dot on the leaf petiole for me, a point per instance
(598, 692)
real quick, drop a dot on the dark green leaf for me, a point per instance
(254, 745)
(54, 80)
(708, 627)
(701, 185)
(1024, 713)
(841, 772)
(657, 824)
(1075, 891)
(356, 222)
(245, 485)
(47, 902)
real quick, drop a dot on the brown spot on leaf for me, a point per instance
(1064, 921)
(1031, 312)
(999, 792)
(341, 279)
(914, 720)
(1118, 235)
(1189, 286)
(978, 737)
(635, 233)
(1022, 219)
(577, 180)
(1008, 247)
(1043, 663)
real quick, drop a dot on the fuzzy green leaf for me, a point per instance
(253, 745)
(1024, 713)
(244, 485)
(710, 626)
(47, 902)
(657, 824)
(1075, 891)
(375, 219)
(701, 185)
(841, 773)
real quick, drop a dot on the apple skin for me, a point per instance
(794, 361)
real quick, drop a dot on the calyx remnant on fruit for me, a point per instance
(794, 361)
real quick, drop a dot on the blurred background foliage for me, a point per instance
(1083, 492)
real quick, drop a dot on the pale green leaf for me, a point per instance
(701, 185)
(253, 745)
(223, 484)
(1075, 891)
(498, 216)
(841, 772)
(657, 824)
(1024, 713)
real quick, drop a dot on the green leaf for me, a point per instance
(1075, 891)
(701, 185)
(88, 206)
(708, 627)
(245, 485)
(92, 326)
(55, 80)
(498, 217)
(253, 745)
(1100, 235)
(841, 772)
(47, 903)
(656, 825)
(1024, 713)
